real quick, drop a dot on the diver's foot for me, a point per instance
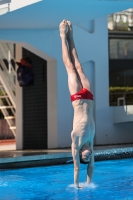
(63, 28)
(70, 29)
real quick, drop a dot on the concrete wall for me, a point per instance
(91, 40)
(122, 114)
(19, 103)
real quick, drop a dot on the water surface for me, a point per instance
(112, 180)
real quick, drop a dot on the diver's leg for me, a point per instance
(74, 57)
(73, 82)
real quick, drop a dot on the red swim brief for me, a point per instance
(82, 94)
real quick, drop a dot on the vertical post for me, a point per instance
(19, 106)
(8, 7)
(9, 61)
(52, 104)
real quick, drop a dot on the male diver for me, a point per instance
(82, 100)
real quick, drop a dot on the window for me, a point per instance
(121, 71)
(121, 49)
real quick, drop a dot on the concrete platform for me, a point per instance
(29, 158)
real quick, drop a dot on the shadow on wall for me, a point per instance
(89, 70)
(5, 132)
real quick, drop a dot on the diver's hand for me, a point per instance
(81, 186)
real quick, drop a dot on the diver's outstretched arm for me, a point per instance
(90, 167)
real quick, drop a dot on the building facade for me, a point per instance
(113, 123)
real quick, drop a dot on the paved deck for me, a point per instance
(11, 158)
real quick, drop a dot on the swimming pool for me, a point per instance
(112, 180)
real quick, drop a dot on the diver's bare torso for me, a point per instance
(83, 123)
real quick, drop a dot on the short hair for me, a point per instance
(81, 159)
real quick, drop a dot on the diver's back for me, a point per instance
(83, 114)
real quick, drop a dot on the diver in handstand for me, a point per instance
(83, 131)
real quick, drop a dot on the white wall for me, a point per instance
(123, 114)
(91, 40)
(17, 4)
(19, 106)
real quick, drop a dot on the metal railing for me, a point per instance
(8, 84)
(121, 98)
(4, 2)
(7, 65)
(4, 6)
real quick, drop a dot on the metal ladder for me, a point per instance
(8, 86)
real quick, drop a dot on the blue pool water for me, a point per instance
(111, 180)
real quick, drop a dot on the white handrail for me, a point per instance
(7, 74)
(7, 98)
(10, 52)
(4, 1)
(6, 56)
